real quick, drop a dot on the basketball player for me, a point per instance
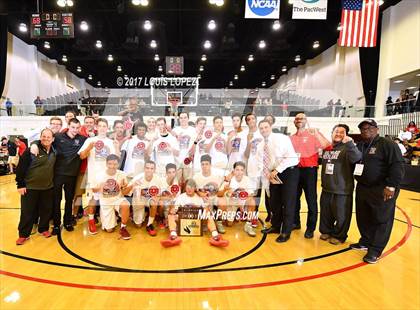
(238, 193)
(190, 198)
(120, 133)
(198, 148)
(185, 135)
(208, 184)
(170, 191)
(96, 150)
(216, 145)
(237, 141)
(146, 191)
(151, 134)
(165, 148)
(111, 186)
(136, 151)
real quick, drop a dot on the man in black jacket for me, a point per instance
(34, 178)
(337, 185)
(378, 176)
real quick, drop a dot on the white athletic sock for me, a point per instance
(150, 221)
(123, 225)
(214, 233)
(91, 217)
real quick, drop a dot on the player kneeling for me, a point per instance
(238, 193)
(190, 198)
(111, 186)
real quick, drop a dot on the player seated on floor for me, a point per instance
(191, 199)
(111, 186)
(170, 191)
(208, 184)
(238, 194)
(146, 191)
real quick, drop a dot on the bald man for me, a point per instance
(307, 142)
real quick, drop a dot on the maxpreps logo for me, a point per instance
(262, 9)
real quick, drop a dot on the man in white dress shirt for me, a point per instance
(277, 160)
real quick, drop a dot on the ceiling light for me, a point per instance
(211, 25)
(316, 44)
(207, 44)
(381, 2)
(125, 76)
(47, 45)
(156, 58)
(235, 77)
(153, 44)
(272, 77)
(199, 76)
(90, 76)
(398, 81)
(242, 68)
(203, 58)
(119, 69)
(412, 87)
(276, 25)
(144, 2)
(160, 69)
(262, 44)
(98, 44)
(79, 69)
(263, 84)
(147, 25)
(418, 74)
(297, 58)
(99, 83)
(64, 58)
(219, 2)
(84, 26)
(61, 3)
(70, 3)
(251, 58)
(135, 2)
(201, 68)
(230, 83)
(110, 57)
(23, 27)
(284, 69)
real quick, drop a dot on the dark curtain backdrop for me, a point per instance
(369, 67)
(3, 51)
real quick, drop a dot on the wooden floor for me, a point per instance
(79, 271)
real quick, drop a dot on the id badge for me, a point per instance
(329, 169)
(358, 170)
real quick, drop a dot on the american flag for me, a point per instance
(359, 23)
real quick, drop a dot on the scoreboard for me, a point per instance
(174, 65)
(52, 25)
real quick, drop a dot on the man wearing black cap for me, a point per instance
(378, 176)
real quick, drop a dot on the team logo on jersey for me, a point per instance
(208, 134)
(162, 146)
(140, 146)
(219, 145)
(128, 125)
(99, 145)
(254, 145)
(184, 142)
(236, 143)
(111, 188)
(76, 142)
(240, 193)
(372, 151)
(166, 193)
(175, 189)
(153, 191)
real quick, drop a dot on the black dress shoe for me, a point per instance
(309, 234)
(270, 230)
(296, 227)
(55, 231)
(73, 220)
(283, 238)
(370, 259)
(358, 246)
(69, 227)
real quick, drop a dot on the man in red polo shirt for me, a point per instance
(307, 143)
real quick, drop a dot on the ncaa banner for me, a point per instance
(269, 9)
(310, 9)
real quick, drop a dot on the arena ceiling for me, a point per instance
(180, 27)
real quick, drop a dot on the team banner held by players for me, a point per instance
(310, 9)
(359, 23)
(269, 9)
